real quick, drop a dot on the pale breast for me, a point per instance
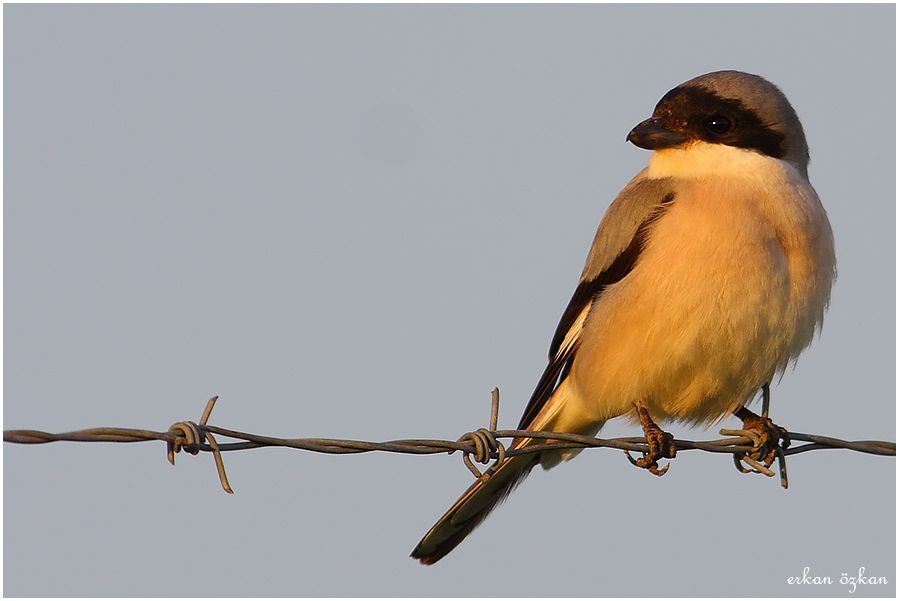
(725, 293)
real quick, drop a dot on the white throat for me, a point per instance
(701, 159)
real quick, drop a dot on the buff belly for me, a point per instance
(717, 304)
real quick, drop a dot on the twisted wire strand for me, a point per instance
(424, 446)
(481, 446)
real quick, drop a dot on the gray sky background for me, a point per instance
(354, 221)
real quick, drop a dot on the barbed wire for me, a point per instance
(481, 446)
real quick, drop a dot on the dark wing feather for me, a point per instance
(616, 248)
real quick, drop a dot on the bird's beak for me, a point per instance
(651, 135)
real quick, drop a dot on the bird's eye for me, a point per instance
(718, 124)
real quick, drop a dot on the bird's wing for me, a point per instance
(616, 248)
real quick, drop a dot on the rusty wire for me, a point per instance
(480, 446)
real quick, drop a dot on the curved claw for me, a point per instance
(631, 459)
(738, 463)
(660, 444)
(769, 443)
(646, 463)
(654, 469)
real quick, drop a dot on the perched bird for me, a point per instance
(709, 273)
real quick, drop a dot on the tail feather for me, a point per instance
(482, 497)
(473, 506)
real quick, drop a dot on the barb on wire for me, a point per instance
(189, 437)
(481, 446)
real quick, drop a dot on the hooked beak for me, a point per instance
(650, 135)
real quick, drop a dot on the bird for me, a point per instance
(709, 274)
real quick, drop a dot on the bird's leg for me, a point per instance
(660, 443)
(768, 433)
(769, 440)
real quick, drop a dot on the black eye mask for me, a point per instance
(703, 115)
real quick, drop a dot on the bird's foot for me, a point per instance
(769, 441)
(660, 443)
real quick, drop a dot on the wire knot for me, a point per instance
(187, 437)
(485, 444)
(190, 437)
(486, 448)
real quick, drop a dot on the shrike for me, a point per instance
(709, 273)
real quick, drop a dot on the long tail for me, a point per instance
(482, 497)
(472, 507)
